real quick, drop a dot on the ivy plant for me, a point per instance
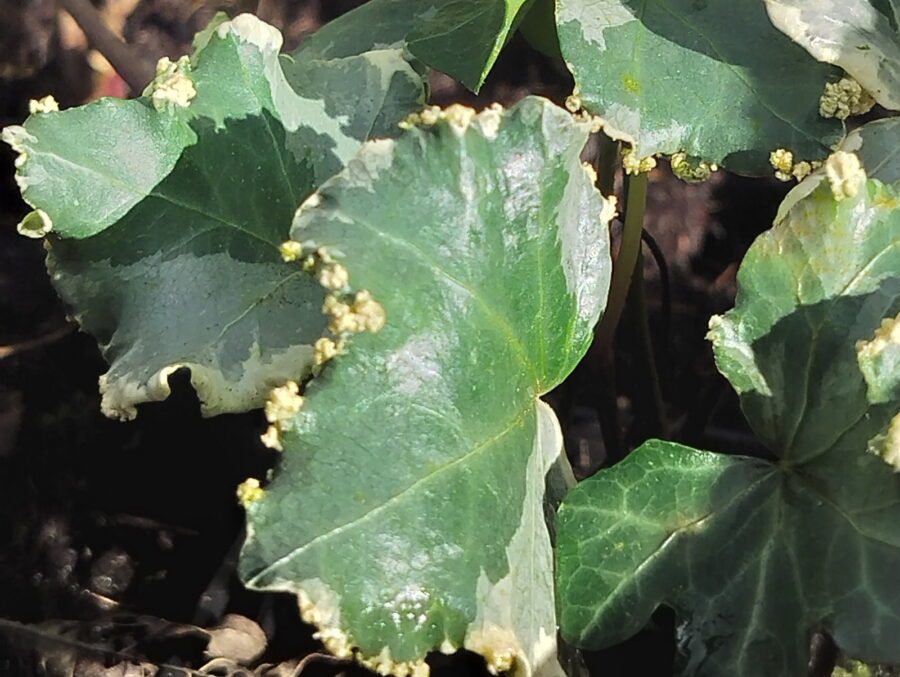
(395, 286)
(157, 203)
(756, 554)
(519, 260)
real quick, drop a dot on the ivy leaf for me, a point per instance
(167, 216)
(418, 459)
(877, 146)
(856, 35)
(539, 28)
(713, 79)
(753, 555)
(462, 38)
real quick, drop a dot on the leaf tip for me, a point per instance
(120, 396)
(16, 137)
(36, 224)
(251, 29)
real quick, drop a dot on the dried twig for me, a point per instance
(37, 635)
(134, 69)
(316, 658)
(38, 342)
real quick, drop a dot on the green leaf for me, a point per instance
(418, 459)
(712, 79)
(539, 28)
(754, 556)
(853, 34)
(876, 144)
(166, 222)
(462, 38)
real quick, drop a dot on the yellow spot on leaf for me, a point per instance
(631, 84)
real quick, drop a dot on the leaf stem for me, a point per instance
(623, 269)
(603, 366)
(134, 69)
(637, 306)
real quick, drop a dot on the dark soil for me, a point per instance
(118, 526)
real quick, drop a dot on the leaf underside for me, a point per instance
(856, 35)
(418, 461)
(711, 78)
(462, 38)
(755, 556)
(166, 224)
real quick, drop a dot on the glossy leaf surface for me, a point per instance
(860, 36)
(418, 460)
(167, 220)
(711, 78)
(459, 37)
(876, 144)
(753, 555)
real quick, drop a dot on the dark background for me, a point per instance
(113, 526)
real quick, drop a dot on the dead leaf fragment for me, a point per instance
(236, 638)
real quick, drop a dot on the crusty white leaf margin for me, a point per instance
(851, 34)
(175, 99)
(515, 626)
(873, 160)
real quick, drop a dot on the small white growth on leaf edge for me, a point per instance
(172, 87)
(845, 174)
(47, 104)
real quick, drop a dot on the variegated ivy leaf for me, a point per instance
(860, 36)
(167, 212)
(755, 556)
(459, 37)
(419, 456)
(711, 78)
(876, 145)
